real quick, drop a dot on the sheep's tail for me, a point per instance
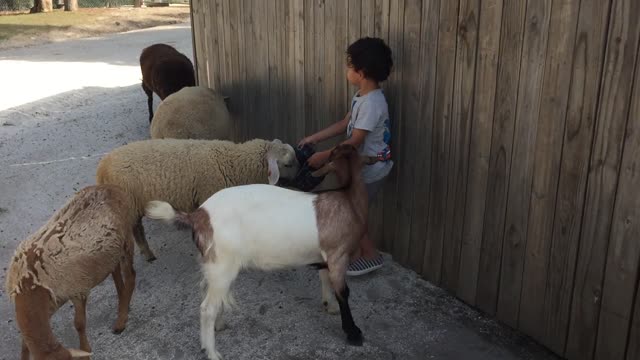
(160, 210)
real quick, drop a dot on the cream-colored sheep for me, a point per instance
(185, 173)
(85, 241)
(192, 113)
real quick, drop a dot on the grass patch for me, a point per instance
(28, 29)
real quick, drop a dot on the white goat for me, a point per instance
(268, 227)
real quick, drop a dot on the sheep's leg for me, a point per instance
(219, 277)
(328, 301)
(337, 269)
(149, 100)
(80, 321)
(124, 298)
(25, 355)
(141, 241)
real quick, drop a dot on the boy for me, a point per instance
(367, 125)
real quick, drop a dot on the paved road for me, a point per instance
(55, 128)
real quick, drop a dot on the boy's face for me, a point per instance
(354, 77)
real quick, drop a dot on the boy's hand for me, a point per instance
(318, 159)
(307, 140)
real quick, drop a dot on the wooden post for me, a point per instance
(70, 5)
(137, 3)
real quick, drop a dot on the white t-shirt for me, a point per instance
(370, 112)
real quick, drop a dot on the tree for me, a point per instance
(137, 3)
(70, 5)
(42, 6)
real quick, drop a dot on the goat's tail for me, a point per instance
(160, 210)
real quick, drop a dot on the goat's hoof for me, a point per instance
(355, 338)
(117, 330)
(331, 308)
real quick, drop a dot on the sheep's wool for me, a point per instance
(87, 233)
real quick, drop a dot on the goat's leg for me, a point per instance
(337, 270)
(141, 241)
(80, 321)
(149, 100)
(25, 355)
(328, 301)
(124, 299)
(218, 277)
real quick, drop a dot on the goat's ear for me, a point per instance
(368, 160)
(327, 168)
(342, 150)
(75, 353)
(274, 171)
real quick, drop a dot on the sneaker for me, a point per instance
(363, 266)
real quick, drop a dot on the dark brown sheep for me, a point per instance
(164, 71)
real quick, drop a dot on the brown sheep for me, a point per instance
(85, 241)
(164, 71)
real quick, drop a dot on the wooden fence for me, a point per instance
(516, 139)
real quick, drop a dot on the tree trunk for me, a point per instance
(42, 6)
(70, 5)
(137, 3)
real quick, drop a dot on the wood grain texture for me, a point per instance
(459, 139)
(448, 23)
(578, 135)
(480, 147)
(500, 160)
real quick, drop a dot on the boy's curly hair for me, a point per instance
(371, 56)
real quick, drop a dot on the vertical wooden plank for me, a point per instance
(424, 118)
(393, 95)
(355, 17)
(602, 180)
(480, 148)
(547, 154)
(459, 139)
(224, 66)
(406, 149)
(633, 348)
(396, 38)
(376, 217)
(296, 52)
(532, 71)
(309, 66)
(233, 86)
(271, 82)
(328, 115)
(578, 137)
(319, 99)
(195, 34)
(213, 45)
(368, 18)
(448, 22)
(553, 313)
(342, 97)
(623, 255)
(500, 160)
(250, 69)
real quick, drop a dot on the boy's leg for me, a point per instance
(369, 259)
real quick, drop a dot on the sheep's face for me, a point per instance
(282, 161)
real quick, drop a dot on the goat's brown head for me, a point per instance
(345, 162)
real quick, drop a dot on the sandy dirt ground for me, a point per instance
(55, 128)
(36, 29)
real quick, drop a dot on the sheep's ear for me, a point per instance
(75, 353)
(277, 141)
(274, 171)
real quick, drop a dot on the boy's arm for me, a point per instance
(321, 157)
(333, 130)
